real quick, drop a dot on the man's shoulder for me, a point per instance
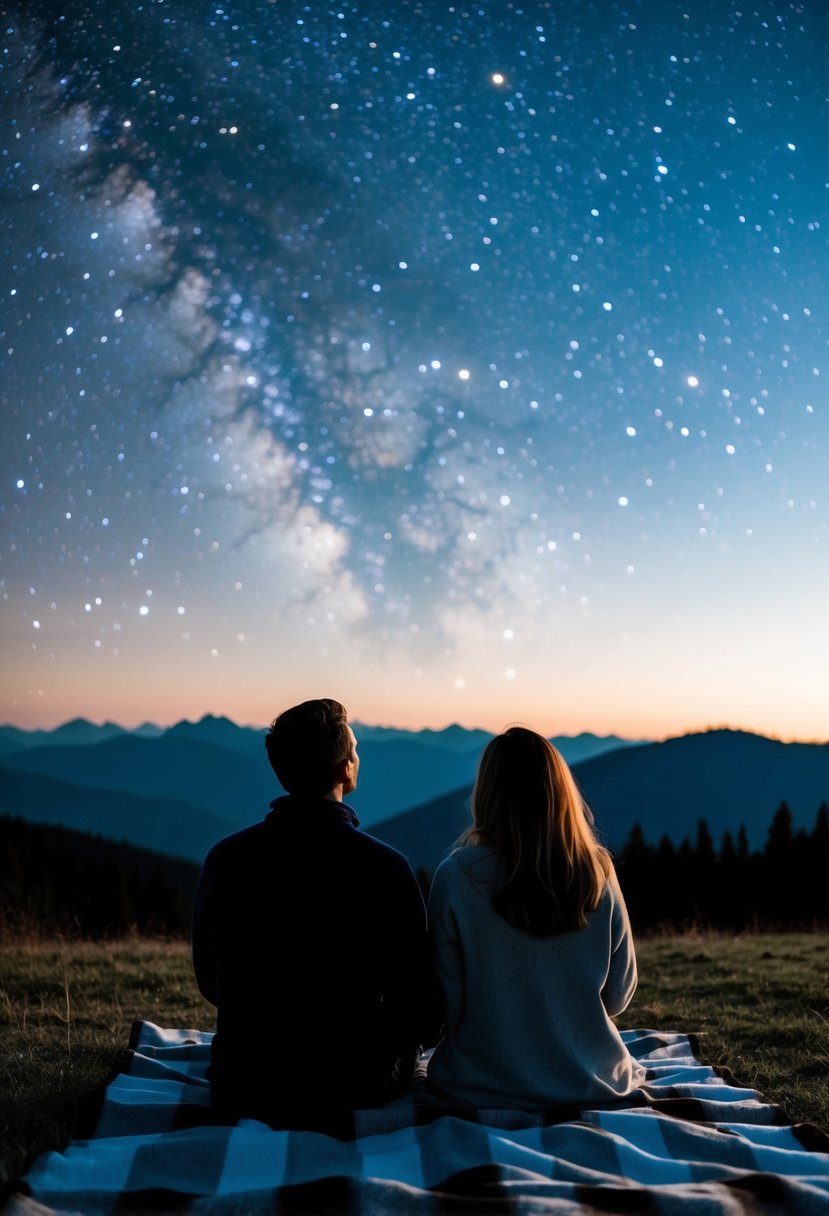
(255, 837)
(383, 853)
(243, 841)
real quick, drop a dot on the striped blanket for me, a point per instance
(689, 1142)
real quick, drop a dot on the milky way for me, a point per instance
(483, 345)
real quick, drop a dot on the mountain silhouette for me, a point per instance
(223, 767)
(452, 738)
(222, 732)
(726, 777)
(427, 834)
(213, 772)
(78, 732)
(216, 779)
(177, 829)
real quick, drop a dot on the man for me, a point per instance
(310, 939)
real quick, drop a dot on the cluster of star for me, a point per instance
(415, 323)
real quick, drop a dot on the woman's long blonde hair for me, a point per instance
(527, 806)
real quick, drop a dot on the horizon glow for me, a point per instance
(464, 365)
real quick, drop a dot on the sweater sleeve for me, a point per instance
(446, 944)
(620, 984)
(443, 902)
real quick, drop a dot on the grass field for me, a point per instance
(759, 1004)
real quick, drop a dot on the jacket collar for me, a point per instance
(311, 811)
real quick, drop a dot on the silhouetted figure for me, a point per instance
(310, 938)
(533, 945)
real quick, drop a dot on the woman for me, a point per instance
(532, 942)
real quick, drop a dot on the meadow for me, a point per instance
(759, 1005)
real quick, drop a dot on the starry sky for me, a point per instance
(463, 362)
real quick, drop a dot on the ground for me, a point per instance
(759, 1005)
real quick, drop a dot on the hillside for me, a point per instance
(231, 782)
(78, 732)
(180, 791)
(452, 738)
(726, 777)
(164, 825)
(220, 767)
(58, 879)
(219, 781)
(426, 834)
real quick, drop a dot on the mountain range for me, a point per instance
(180, 789)
(78, 732)
(725, 777)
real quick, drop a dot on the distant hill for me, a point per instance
(178, 790)
(79, 732)
(426, 834)
(235, 783)
(222, 732)
(575, 748)
(402, 773)
(164, 825)
(398, 769)
(214, 779)
(725, 777)
(452, 738)
(215, 764)
(472, 742)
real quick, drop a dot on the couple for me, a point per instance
(310, 938)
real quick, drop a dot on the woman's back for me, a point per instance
(528, 1017)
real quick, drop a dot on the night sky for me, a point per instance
(466, 363)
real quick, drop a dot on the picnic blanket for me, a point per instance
(690, 1141)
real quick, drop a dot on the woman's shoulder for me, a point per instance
(468, 857)
(468, 868)
(612, 888)
(612, 902)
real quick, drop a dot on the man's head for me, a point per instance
(312, 749)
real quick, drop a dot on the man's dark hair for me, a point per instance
(306, 744)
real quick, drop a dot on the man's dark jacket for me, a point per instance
(310, 938)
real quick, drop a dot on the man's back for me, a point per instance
(309, 937)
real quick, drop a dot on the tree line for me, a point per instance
(55, 879)
(782, 885)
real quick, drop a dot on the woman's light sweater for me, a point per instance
(528, 1018)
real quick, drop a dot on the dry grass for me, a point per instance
(66, 1009)
(760, 1005)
